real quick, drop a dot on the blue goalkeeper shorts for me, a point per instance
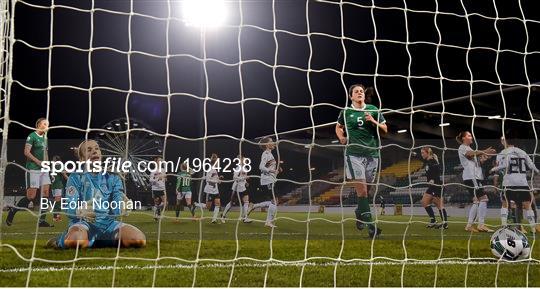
(102, 234)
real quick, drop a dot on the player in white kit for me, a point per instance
(157, 182)
(514, 162)
(212, 188)
(473, 178)
(239, 192)
(269, 170)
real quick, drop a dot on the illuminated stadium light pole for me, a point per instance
(205, 15)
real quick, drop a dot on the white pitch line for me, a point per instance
(257, 234)
(251, 265)
(181, 233)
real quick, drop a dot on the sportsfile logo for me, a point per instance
(110, 164)
(118, 165)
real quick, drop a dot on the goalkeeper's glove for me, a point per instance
(86, 212)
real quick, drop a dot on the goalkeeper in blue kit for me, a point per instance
(94, 201)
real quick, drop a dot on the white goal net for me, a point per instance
(154, 78)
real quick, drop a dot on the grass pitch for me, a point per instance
(296, 253)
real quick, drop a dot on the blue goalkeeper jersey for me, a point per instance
(103, 192)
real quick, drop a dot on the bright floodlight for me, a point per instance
(204, 13)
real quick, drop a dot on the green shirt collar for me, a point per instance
(359, 109)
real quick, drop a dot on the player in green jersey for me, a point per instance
(183, 191)
(358, 128)
(35, 151)
(57, 188)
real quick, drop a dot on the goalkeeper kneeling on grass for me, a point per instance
(91, 209)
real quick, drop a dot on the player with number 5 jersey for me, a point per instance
(358, 127)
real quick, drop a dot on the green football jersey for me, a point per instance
(183, 182)
(38, 150)
(57, 182)
(363, 138)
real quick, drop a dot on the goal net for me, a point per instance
(183, 80)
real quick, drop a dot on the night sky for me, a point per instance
(410, 54)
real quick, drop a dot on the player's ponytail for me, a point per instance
(431, 154)
(78, 150)
(460, 136)
(264, 142)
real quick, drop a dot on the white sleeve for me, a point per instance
(498, 158)
(213, 180)
(463, 150)
(153, 177)
(242, 175)
(530, 163)
(236, 176)
(502, 162)
(262, 165)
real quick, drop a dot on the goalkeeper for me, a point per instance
(358, 127)
(95, 226)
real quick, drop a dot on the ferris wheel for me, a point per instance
(135, 145)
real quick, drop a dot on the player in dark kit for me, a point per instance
(57, 188)
(382, 203)
(434, 192)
